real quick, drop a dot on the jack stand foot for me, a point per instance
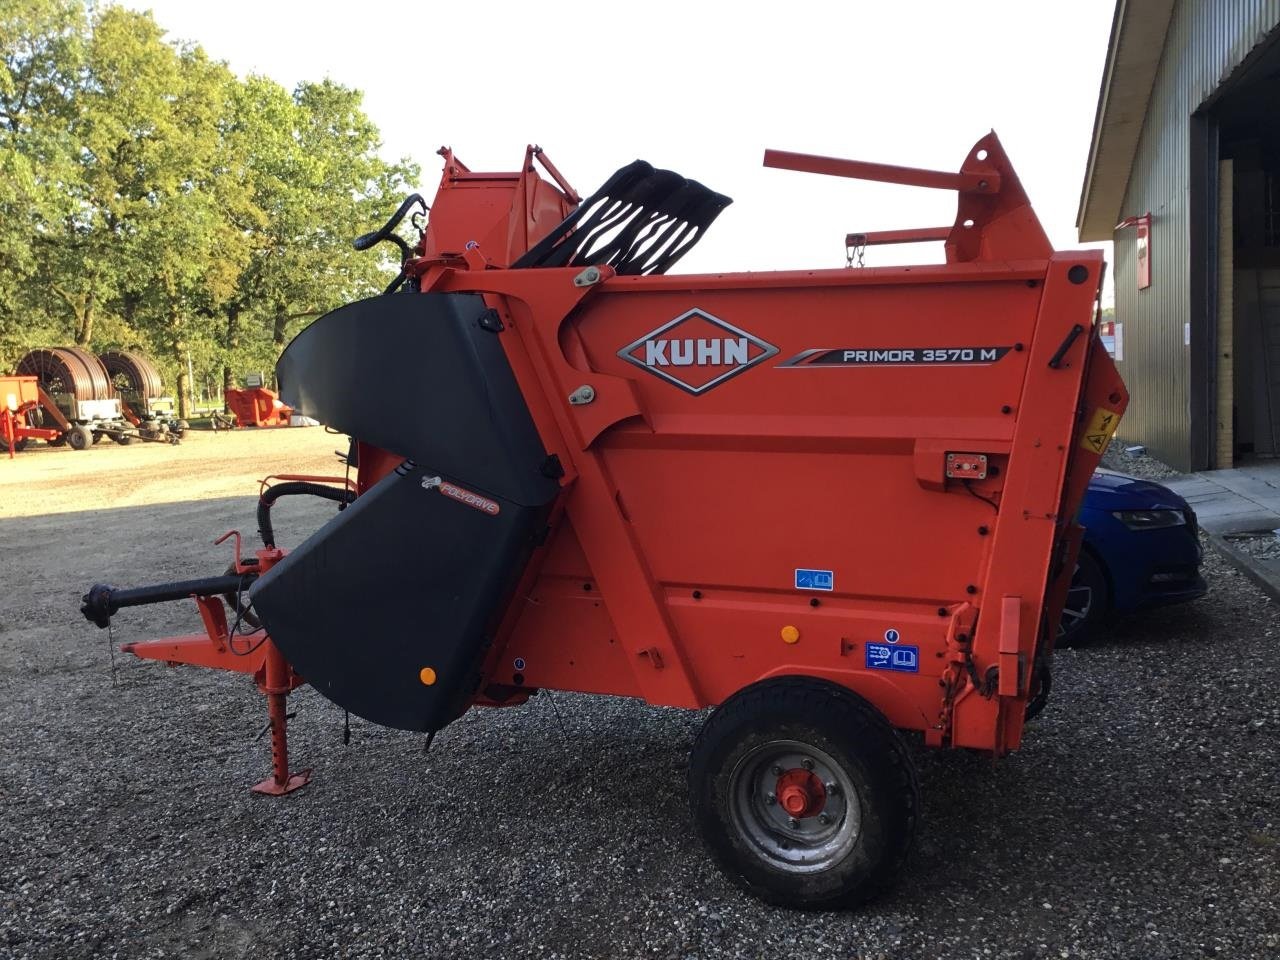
(274, 788)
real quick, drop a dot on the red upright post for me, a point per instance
(276, 687)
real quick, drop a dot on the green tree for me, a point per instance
(41, 64)
(150, 199)
(311, 159)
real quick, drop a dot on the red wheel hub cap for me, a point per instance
(801, 793)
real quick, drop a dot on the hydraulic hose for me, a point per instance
(367, 240)
(294, 488)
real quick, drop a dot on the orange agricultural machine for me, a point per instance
(837, 503)
(258, 407)
(19, 400)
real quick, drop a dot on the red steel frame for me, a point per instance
(630, 597)
(18, 397)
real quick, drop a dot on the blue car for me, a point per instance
(1141, 549)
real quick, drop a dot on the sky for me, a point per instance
(703, 89)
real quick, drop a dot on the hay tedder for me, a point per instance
(838, 504)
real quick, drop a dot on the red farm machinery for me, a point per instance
(256, 406)
(75, 403)
(837, 504)
(19, 405)
(77, 399)
(135, 380)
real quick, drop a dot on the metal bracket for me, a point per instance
(490, 320)
(583, 395)
(1056, 360)
(588, 277)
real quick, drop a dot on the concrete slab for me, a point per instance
(1230, 502)
(1244, 523)
(1268, 471)
(1193, 485)
(1252, 488)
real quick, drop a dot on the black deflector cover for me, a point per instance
(404, 578)
(416, 374)
(415, 573)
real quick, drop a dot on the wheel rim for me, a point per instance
(1075, 609)
(795, 806)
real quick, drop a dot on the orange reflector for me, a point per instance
(427, 676)
(790, 634)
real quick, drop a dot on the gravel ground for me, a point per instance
(1140, 820)
(1263, 547)
(1137, 464)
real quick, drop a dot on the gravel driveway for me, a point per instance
(1140, 820)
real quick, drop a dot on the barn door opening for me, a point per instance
(1248, 359)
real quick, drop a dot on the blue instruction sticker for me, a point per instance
(900, 657)
(815, 579)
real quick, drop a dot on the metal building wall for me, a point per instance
(1207, 40)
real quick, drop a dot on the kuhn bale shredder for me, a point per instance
(838, 504)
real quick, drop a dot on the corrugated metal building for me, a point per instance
(1184, 175)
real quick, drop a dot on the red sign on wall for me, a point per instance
(1144, 254)
(1143, 251)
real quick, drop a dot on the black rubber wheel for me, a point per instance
(804, 793)
(124, 439)
(1087, 601)
(97, 437)
(18, 445)
(79, 437)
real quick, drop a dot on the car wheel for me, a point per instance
(1086, 602)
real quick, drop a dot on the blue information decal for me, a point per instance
(815, 579)
(900, 657)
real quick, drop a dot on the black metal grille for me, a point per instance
(640, 222)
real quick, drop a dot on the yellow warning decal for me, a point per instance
(1097, 434)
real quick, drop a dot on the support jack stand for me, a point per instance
(276, 685)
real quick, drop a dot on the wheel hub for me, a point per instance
(800, 793)
(794, 805)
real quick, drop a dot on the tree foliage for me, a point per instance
(150, 199)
